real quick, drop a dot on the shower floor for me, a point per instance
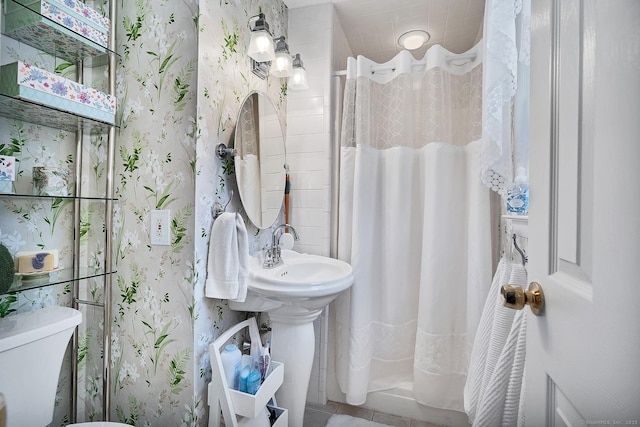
(318, 415)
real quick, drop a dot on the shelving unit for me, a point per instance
(31, 196)
(63, 44)
(27, 111)
(233, 402)
(65, 275)
(55, 39)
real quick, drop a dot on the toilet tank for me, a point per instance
(32, 346)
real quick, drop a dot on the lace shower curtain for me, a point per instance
(414, 222)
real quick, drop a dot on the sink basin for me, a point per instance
(301, 275)
(306, 281)
(294, 294)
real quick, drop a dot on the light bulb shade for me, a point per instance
(261, 46)
(298, 79)
(281, 66)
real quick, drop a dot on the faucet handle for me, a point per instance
(268, 261)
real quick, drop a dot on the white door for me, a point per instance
(583, 353)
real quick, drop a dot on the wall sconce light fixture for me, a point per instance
(261, 44)
(298, 79)
(282, 65)
(271, 56)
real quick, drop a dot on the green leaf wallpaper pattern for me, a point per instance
(152, 342)
(181, 76)
(224, 79)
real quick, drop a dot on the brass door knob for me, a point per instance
(515, 297)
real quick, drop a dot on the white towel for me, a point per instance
(227, 266)
(492, 393)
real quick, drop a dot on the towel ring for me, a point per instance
(218, 209)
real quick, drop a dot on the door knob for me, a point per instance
(515, 297)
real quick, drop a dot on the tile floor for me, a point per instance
(318, 415)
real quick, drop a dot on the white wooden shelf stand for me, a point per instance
(234, 402)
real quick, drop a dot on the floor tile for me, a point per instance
(355, 411)
(318, 415)
(415, 423)
(313, 418)
(330, 407)
(391, 420)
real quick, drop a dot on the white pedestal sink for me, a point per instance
(294, 294)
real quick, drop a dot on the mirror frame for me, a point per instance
(260, 161)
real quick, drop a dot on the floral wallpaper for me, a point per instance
(224, 79)
(181, 76)
(152, 295)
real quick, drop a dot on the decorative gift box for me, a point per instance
(25, 81)
(82, 12)
(7, 173)
(7, 168)
(6, 187)
(71, 14)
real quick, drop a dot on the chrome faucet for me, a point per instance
(272, 256)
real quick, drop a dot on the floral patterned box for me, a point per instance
(7, 168)
(71, 14)
(27, 82)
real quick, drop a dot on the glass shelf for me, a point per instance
(31, 196)
(65, 275)
(27, 111)
(53, 38)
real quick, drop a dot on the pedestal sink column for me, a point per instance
(293, 343)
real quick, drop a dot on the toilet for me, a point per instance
(32, 346)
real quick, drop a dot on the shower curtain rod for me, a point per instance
(386, 67)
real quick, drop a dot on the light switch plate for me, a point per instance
(160, 231)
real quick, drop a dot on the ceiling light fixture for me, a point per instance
(414, 39)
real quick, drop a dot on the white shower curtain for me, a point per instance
(414, 222)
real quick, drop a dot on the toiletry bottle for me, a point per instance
(518, 194)
(253, 381)
(255, 355)
(265, 360)
(244, 376)
(231, 358)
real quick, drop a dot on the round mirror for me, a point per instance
(260, 159)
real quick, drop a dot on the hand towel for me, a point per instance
(494, 383)
(227, 265)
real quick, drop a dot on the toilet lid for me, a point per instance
(98, 424)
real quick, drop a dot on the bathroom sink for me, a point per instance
(301, 275)
(294, 294)
(303, 280)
